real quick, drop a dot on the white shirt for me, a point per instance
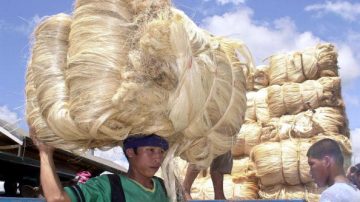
(341, 192)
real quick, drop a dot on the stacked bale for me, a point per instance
(295, 101)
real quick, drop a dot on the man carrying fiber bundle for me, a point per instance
(145, 154)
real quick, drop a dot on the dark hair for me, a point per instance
(326, 147)
(135, 151)
(355, 169)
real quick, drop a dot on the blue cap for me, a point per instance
(145, 140)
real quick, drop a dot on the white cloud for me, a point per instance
(24, 28)
(263, 39)
(29, 25)
(7, 115)
(344, 9)
(236, 2)
(348, 63)
(267, 38)
(355, 140)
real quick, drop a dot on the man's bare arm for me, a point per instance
(50, 181)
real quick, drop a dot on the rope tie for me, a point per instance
(302, 66)
(255, 107)
(283, 98)
(301, 94)
(298, 161)
(282, 164)
(286, 68)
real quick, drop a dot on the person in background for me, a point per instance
(326, 168)
(82, 176)
(145, 154)
(353, 174)
(219, 166)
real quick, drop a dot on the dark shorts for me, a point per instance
(223, 163)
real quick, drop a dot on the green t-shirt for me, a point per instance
(98, 189)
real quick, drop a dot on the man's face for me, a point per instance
(148, 160)
(318, 171)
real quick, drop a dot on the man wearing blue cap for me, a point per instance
(145, 154)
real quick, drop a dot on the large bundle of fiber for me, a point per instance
(282, 162)
(91, 85)
(309, 64)
(309, 192)
(292, 98)
(306, 124)
(285, 162)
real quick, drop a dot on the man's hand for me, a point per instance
(43, 148)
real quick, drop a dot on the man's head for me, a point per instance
(145, 153)
(324, 158)
(353, 174)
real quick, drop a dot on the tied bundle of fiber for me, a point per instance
(248, 137)
(261, 77)
(79, 72)
(257, 106)
(207, 107)
(309, 64)
(292, 98)
(45, 87)
(90, 85)
(308, 191)
(306, 124)
(282, 162)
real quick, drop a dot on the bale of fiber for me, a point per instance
(306, 124)
(257, 106)
(309, 191)
(293, 98)
(309, 64)
(90, 86)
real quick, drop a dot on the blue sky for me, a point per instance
(267, 27)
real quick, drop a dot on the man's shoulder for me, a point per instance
(340, 192)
